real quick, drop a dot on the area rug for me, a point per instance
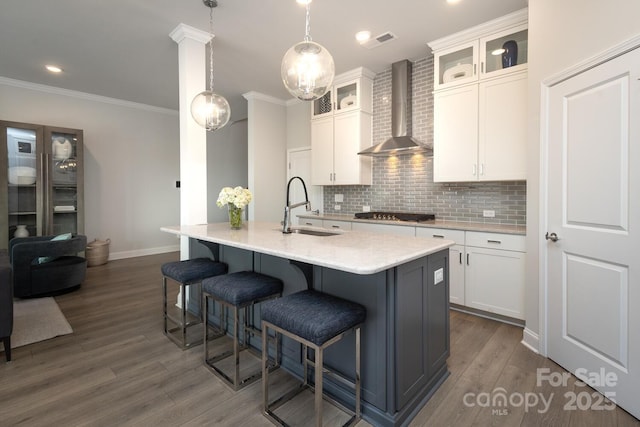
(37, 320)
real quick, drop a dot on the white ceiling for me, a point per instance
(122, 49)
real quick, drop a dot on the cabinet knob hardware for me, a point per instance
(460, 258)
(494, 241)
(467, 259)
(438, 236)
(551, 236)
(335, 226)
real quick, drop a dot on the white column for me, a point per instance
(267, 156)
(193, 138)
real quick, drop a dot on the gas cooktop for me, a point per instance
(395, 216)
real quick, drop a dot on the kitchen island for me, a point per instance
(402, 282)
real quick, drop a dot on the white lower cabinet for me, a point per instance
(399, 230)
(486, 270)
(340, 225)
(495, 273)
(310, 222)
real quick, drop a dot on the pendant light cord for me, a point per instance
(307, 36)
(211, 49)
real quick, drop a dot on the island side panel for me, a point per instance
(370, 291)
(422, 331)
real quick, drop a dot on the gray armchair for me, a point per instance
(6, 303)
(65, 271)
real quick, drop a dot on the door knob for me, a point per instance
(551, 236)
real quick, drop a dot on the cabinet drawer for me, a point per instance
(342, 225)
(311, 222)
(441, 233)
(509, 242)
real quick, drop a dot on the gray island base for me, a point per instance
(402, 281)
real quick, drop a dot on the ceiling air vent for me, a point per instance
(379, 40)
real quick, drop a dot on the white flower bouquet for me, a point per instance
(236, 199)
(239, 197)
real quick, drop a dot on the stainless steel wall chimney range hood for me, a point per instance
(401, 141)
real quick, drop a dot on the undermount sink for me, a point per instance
(313, 231)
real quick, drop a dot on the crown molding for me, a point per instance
(184, 31)
(86, 96)
(513, 19)
(250, 96)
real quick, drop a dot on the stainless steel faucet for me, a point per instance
(286, 224)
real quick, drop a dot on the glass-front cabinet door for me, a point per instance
(504, 52)
(21, 200)
(456, 65)
(42, 186)
(345, 95)
(64, 207)
(322, 106)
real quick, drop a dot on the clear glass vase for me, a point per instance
(235, 216)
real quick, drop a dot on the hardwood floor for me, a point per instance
(118, 368)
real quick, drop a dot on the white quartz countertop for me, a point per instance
(356, 252)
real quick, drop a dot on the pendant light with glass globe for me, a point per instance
(208, 109)
(307, 68)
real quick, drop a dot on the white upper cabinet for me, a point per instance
(456, 65)
(350, 91)
(341, 127)
(489, 50)
(504, 52)
(480, 100)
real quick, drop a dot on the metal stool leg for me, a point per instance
(164, 299)
(318, 389)
(183, 312)
(357, 379)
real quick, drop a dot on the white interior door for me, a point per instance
(299, 164)
(593, 189)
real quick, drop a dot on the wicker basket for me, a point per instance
(97, 252)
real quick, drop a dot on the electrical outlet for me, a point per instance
(489, 213)
(438, 276)
(336, 207)
(366, 208)
(339, 198)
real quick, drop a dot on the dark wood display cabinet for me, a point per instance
(42, 188)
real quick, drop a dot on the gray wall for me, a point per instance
(131, 162)
(405, 183)
(226, 164)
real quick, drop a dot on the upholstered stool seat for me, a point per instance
(186, 273)
(240, 290)
(316, 320)
(193, 271)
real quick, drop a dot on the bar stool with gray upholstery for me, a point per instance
(316, 320)
(237, 291)
(186, 273)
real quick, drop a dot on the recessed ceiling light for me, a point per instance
(453, 1)
(53, 68)
(303, 1)
(363, 36)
